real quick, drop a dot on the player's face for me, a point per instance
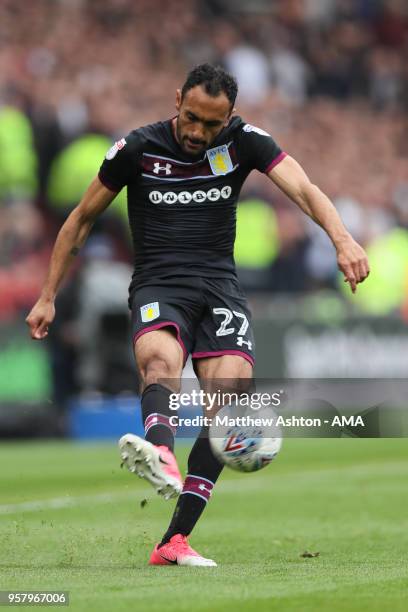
(201, 118)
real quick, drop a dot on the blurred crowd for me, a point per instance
(327, 78)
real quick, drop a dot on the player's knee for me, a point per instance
(236, 370)
(159, 369)
(245, 383)
(240, 381)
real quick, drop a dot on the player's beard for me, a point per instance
(181, 140)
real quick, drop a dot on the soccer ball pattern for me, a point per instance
(243, 448)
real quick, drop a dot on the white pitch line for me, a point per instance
(247, 483)
(56, 503)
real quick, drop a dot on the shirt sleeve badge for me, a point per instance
(116, 147)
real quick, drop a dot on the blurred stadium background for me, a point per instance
(327, 78)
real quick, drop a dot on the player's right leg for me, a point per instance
(159, 358)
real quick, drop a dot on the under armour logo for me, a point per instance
(202, 487)
(157, 168)
(241, 341)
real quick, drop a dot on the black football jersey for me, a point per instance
(182, 210)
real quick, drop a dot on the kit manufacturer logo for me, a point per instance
(157, 168)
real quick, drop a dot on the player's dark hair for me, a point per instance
(214, 79)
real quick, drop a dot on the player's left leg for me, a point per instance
(203, 468)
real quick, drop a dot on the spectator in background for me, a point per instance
(289, 273)
(385, 79)
(391, 24)
(247, 62)
(24, 255)
(89, 346)
(290, 76)
(71, 172)
(18, 160)
(319, 13)
(256, 245)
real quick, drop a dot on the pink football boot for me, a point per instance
(156, 464)
(178, 552)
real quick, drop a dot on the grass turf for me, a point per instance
(346, 499)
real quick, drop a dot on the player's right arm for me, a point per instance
(70, 239)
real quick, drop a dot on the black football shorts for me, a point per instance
(209, 315)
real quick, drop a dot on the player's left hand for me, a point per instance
(353, 262)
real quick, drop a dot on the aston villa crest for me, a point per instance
(150, 312)
(220, 160)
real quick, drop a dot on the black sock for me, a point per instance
(156, 415)
(203, 472)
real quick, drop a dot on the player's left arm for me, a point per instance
(290, 177)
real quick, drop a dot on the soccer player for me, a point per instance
(183, 179)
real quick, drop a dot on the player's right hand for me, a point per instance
(40, 317)
(353, 262)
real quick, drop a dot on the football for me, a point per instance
(246, 442)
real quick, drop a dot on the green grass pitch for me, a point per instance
(70, 519)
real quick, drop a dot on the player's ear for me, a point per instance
(228, 119)
(178, 99)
